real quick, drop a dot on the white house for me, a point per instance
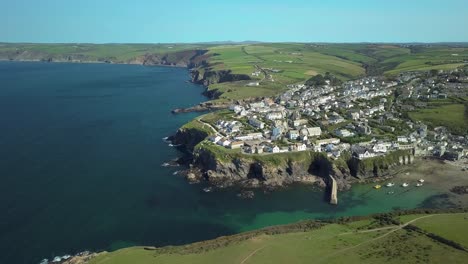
(214, 139)
(275, 149)
(311, 131)
(301, 147)
(363, 153)
(256, 123)
(274, 115)
(379, 148)
(293, 134)
(402, 139)
(344, 133)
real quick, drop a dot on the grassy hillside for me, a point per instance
(436, 115)
(428, 238)
(119, 53)
(279, 64)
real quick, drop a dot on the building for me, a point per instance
(214, 139)
(274, 115)
(344, 133)
(311, 131)
(293, 134)
(301, 147)
(256, 123)
(224, 142)
(327, 141)
(299, 122)
(276, 133)
(363, 153)
(236, 144)
(379, 148)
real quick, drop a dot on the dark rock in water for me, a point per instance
(246, 194)
(460, 190)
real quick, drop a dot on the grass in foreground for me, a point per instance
(333, 243)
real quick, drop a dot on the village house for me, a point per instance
(311, 131)
(236, 144)
(363, 153)
(327, 141)
(344, 133)
(256, 123)
(214, 139)
(274, 115)
(299, 122)
(224, 142)
(293, 134)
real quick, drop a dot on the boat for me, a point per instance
(419, 184)
(390, 184)
(405, 184)
(378, 186)
(421, 180)
(207, 189)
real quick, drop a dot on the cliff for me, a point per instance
(184, 58)
(379, 166)
(226, 167)
(223, 167)
(206, 76)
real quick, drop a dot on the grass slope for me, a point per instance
(355, 242)
(452, 116)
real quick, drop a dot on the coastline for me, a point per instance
(95, 62)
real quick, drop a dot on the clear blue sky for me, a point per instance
(156, 21)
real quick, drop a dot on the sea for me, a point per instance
(81, 167)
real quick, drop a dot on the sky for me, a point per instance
(177, 21)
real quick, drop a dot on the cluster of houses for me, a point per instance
(323, 118)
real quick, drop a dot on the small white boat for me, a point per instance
(207, 189)
(421, 180)
(390, 184)
(405, 184)
(419, 184)
(165, 164)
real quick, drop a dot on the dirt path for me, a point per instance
(251, 254)
(394, 229)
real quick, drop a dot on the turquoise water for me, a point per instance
(80, 166)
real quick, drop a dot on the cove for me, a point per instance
(80, 166)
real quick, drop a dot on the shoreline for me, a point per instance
(97, 62)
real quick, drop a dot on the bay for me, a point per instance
(80, 166)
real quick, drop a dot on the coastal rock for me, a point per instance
(249, 173)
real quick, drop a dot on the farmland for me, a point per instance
(437, 115)
(373, 240)
(276, 64)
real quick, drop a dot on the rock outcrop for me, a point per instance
(252, 172)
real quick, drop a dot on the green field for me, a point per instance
(354, 242)
(286, 63)
(452, 116)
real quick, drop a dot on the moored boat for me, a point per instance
(405, 184)
(378, 186)
(390, 184)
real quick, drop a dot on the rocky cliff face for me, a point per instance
(179, 58)
(247, 172)
(208, 76)
(188, 138)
